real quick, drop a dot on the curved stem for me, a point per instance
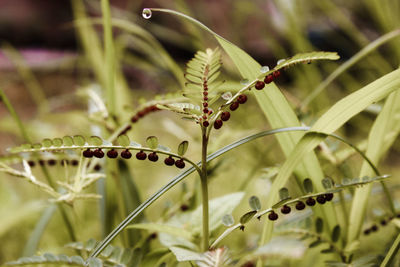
(204, 188)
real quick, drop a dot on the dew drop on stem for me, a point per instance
(264, 69)
(146, 13)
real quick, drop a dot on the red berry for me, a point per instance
(141, 155)
(269, 79)
(31, 163)
(285, 209)
(169, 161)
(272, 216)
(141, 113)
(205, 110)
(184, 207)
(300, 205)
(218, 124)
(112, 154)
(310, 201)
(328, 196)
(153, 156)
(205, 98)
(225, 115)
(41, 162)
(98, 153)
(74, 162)
(87, 153)
(126, 154)
(134, 119)
(234, 106)
(259, 85)
(52, 162)
(276, 74)
(205, 104)
(321, 199)
(97, 167)
(180, 163)
(367, 231)
(374, 228)
(242, 99)
(205, 93)
(206, 123)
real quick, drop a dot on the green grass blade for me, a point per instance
(392, 252)
(386, 123)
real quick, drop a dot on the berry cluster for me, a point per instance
(144, 112)
(225, 116)
(53, 162)
(206, 111)
(285, 209)
(382, 222)
(126, 154)
(268, 79)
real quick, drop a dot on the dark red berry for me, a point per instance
(98, 153)
(242, 99)
(31, 163)
(285, 209)
(51, 162)
(248, 264)
(134, 119)
(180, 163)
(205, 93)
(328, 196)
(153, 156)
(153, 236)
(141, 113)
(41, 162)
(367, 232)
(97, 167)
(321, 199)
(300, 205)
(184, 207)
(141, 155)
(204, 117)
(205, 98)
(234, 106)
(206, 123)
(374, 228)
(205, 110)
(225, 115)
(74, 162)
(259, 85)
(87, 153)
(276, 74)
(310, 201)
(126, 154)
(205, 104)
(383, 222)
(218, 124)
(272, 216)
(112, 154)
(169, 161)
(269, 79)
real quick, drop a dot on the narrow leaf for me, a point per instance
(123, 140)
(247, 216)
(182, 148)
(308, 185)
(152, 142)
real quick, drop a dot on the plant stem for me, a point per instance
(204, 187)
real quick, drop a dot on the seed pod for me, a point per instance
(141, 113)
(41, 162)
(169, 161)
(126, 154)
(180, 163)
(205, 104)
(367, 232)
(374, 228)
(276, 73)
(383, 222)
(328, 196)
(140, 155)
(225, 116)
(87, 153)
(97, 167)
(321, 199)
(259, 85)
(300, 205)
(112, 154)
(205, 98)
(241, 228)
(74, 162)
(153, 156)
(98, 153)
(269, 79)
(51, 162)
(272, 216)
(242, 99)
(205, 110)
(218, 124)
(205, 93)
(206, 123)
(31, 163)
(285, 209)
(310, 201)
(234, 106)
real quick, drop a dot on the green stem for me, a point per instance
(392, 252)
(204, 188)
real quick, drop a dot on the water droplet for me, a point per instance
(280, 61)
(146, 13)
(244, 82)
(264, 69)
(226, 95)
